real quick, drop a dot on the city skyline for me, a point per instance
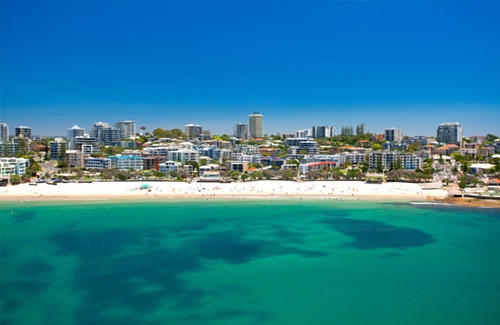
(409, 65)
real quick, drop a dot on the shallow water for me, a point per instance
(249, 262)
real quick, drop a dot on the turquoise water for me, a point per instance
(249, 262)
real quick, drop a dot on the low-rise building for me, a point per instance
(169, 166)
(126, 162)
(210, 176)
(247, 158)
(392, 158)
(447, 149)
(240, 166)
(470, 149)
(153, 162)
(13, 166)
(97, 163)
(315, 166)
(290, 167)
(75, 158)
(184, 155)
(303, 144)
(9, 149)
(486, 151)
(352, 157)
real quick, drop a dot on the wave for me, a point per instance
(430, 203)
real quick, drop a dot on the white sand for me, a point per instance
(257, 189)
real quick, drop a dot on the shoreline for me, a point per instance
(468, 202)
(268, 190)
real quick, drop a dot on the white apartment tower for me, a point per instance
(255, 125)
(127, 129)
(193, 130)
(74, 132)
(24, 130)
(106, 134)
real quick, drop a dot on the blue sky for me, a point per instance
(404, 64)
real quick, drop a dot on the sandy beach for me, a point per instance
(258, 189)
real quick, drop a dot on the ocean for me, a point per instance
(248, 262)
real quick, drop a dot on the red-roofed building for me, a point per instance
(447, 149)
(304, 168)
(494, 182)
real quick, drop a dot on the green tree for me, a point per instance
(465, 167)
(268, 174)
(257, 175)
(235, 174)
(313, 174)
(255, 165)
(121, 177)
(287, 174)
(160, 133)
(376, 146)
(399, 164)
(62, 158)
(394, 175)
(491, 138)
(338, 173)
(177, 133)
(412, 147)
(33, 168)
(15, 179)
(468, 180)
(109, 173)
(380, 167)
(195, 164)
(173, 134)
(244, 176)
(496, 162)
(158, 174)
(223, 137)
(25, 178)
(441, 160)
(352, 174)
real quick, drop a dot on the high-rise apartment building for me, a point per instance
(449, 133)
(193, 130)
(255, 125)
(241, 131)
(394, 135)
(74, 132)
(24, 130)
(127, 129)
(106, 134)
(57, 149)
(4, 132)
(321, 132)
